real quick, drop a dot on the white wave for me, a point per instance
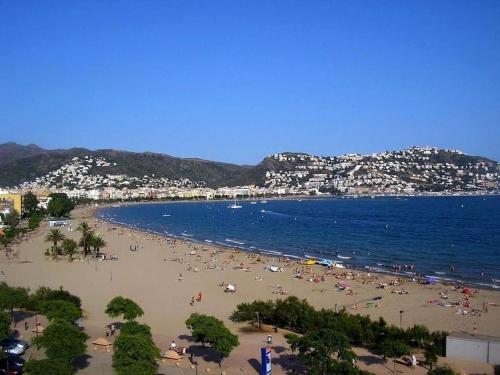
(234, 241)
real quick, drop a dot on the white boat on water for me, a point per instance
(234, 205)
(263, 202)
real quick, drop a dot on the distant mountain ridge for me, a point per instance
(18, 169)
(418, 168)
(12, 151)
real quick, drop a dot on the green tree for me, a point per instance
(54, 236)
(393, 348)
(293, 341)
(317, 349)
(120, 306)
(345, 368)
(442, 370)
(30, 203)
(263, 311)
(87, 235)
(69, 247)
(60, 205)
(44, 294)
(12, 297)
(438, 341)
(11, 219)
(63, 341)
(419, 334)
(210, 330)
(295, 314)
(4, 325)
(135, 354)
(97, 243)
(431, 357)
(60, 310)
(134, 328)
(34, 220)
(47, 366)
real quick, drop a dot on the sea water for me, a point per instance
(456, 238)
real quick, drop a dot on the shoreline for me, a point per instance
(273, 253)
(150, 276)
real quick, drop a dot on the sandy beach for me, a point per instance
(151, 277)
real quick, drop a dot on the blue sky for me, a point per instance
(237, 80)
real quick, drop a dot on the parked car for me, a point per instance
(13, 349)
(15, 368)
(18, 361)
(13, 341)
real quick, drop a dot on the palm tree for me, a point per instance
(86, 236)
(69, 247)
(97, 243)
(55, 235)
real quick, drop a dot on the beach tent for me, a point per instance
(101, 342)
(170, 354)
(326, 262)
(230, 288)
(273, 268)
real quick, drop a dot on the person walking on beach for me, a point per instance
(474, 328)
(199, 297)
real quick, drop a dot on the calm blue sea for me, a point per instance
(433, 233)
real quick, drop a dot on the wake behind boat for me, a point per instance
(234, 205)
(343, 257)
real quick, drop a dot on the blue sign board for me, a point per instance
(265, 354)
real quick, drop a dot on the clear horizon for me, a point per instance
(235, 82)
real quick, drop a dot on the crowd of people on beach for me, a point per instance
(196, 257)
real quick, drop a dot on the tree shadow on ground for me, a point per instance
(207, 353)
(290, 364)
(82, 361)
(20, 315)
(371, 359)
(279, 349)
(185, 338)
(248, 329)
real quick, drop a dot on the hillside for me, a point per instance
(12, 151)
(14, 171)
(414, 170)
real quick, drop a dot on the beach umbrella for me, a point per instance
(170, 354)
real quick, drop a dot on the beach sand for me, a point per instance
(150, 276)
